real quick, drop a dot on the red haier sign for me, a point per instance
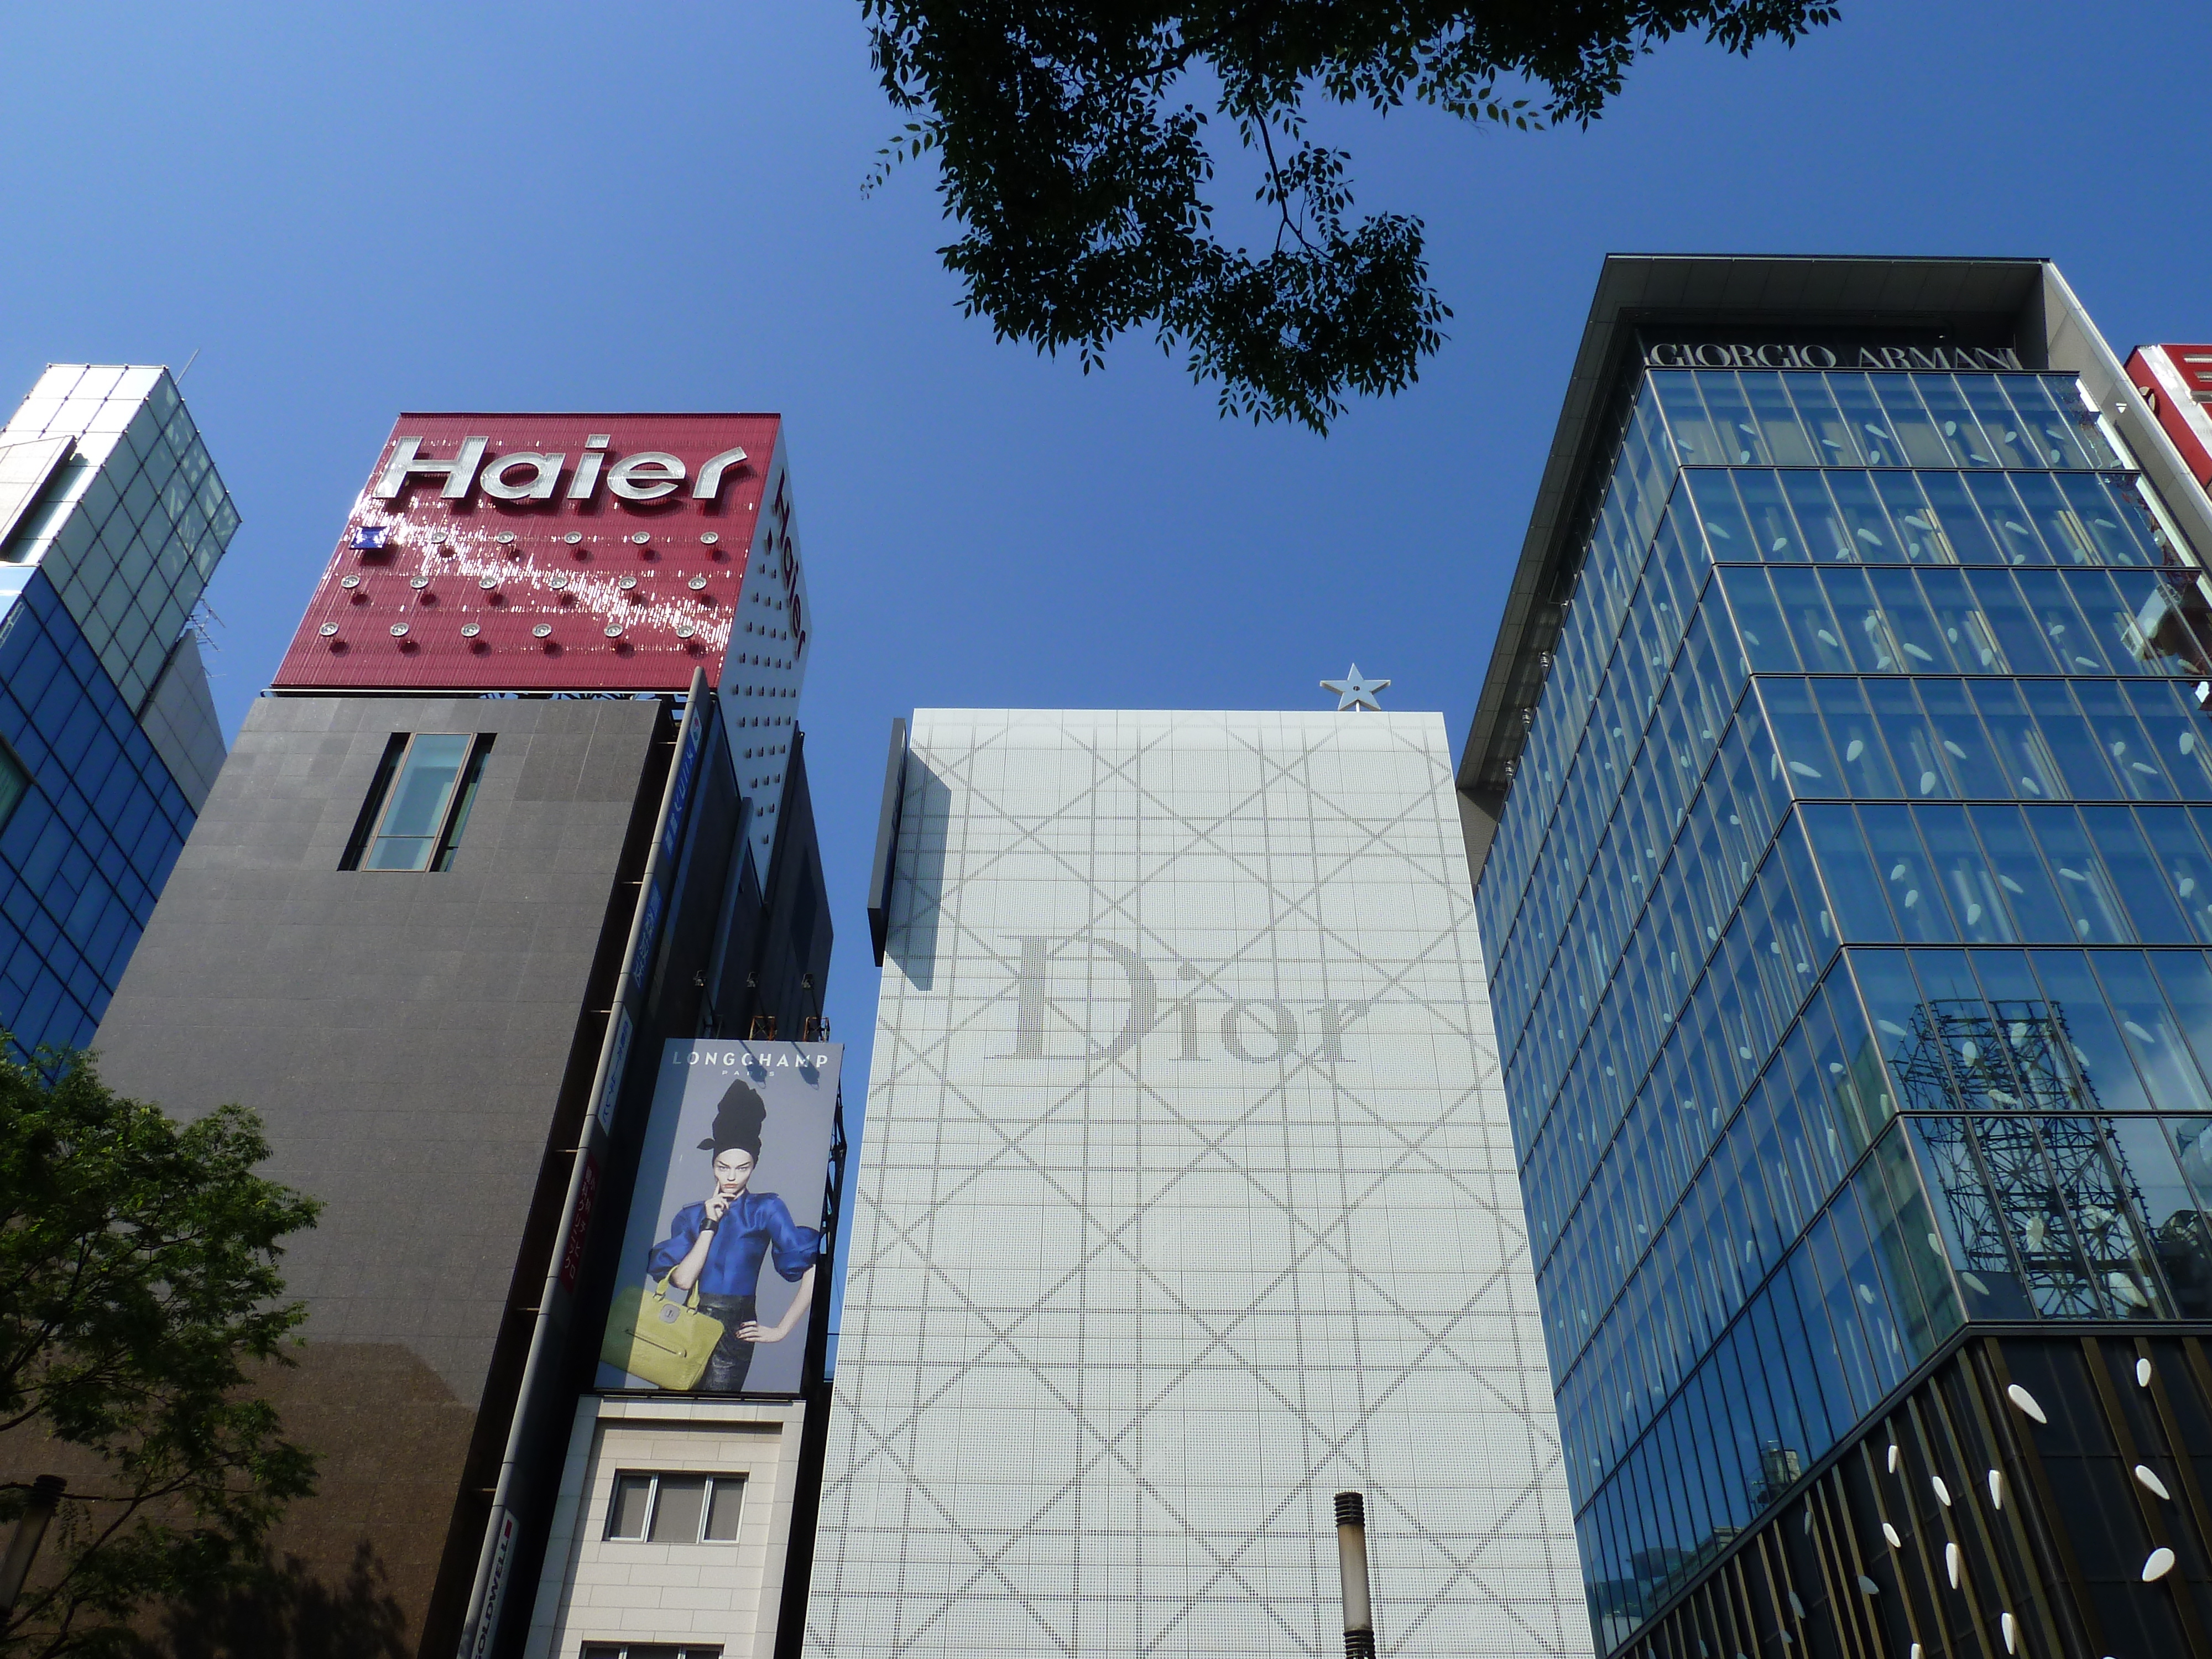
(554, 553)
(2176, 382)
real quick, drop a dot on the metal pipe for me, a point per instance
(30, 1532)
(1352, 1569)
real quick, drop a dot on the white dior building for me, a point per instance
(1186, 1201)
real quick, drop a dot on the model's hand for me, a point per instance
(750, 1331)
(716, 1206)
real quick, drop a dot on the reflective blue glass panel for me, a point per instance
(97, 827)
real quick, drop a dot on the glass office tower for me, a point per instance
(113, 519)
(1841, 805)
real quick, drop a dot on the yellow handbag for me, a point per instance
(664, 1340)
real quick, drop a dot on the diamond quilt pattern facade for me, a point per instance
(1186, 1199)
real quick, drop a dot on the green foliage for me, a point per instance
(1074, 162)
(138, 1283)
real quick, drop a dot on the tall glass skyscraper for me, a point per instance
(113, 518)
(1840, 803)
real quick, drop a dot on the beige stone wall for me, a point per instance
(595, 1589)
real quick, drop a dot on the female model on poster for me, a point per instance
(719, 1243)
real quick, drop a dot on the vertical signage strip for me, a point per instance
(487, 1596)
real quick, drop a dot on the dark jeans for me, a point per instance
(732, 1358)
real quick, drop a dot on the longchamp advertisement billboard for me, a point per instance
(721, 1257)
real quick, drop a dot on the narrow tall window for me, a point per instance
(420, 803)
(465, 798)
(15, 784)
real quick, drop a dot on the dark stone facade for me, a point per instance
(419, 1045)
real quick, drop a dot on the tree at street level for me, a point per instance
(1073, 154)
(138, 1291)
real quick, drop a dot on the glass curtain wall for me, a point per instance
(96, 828)
(133, 530)
(1846, 924)
(104, 703)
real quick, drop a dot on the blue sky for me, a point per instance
(350, 211)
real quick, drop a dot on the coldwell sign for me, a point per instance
(563, 552)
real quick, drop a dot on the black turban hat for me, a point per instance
(738, 1122)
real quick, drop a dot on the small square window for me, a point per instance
(679, 1509)
(722, 1506)
(675, 1508)
(632, 1507)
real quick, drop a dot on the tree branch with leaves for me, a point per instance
(139, 1292)
(1070, 142)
